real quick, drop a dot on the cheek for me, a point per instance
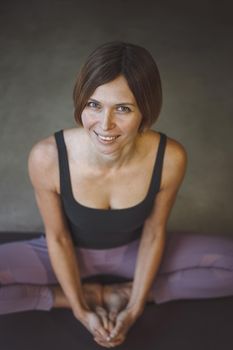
(88, 119)
(133, 126)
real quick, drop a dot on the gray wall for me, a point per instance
(43, 44)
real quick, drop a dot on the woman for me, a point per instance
(105, 190)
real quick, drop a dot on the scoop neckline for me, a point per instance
(109, 210)
(77, 203)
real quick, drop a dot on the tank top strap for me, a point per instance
(64, 171)
(158, 167)
(65, 181)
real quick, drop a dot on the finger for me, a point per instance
(113, 315)
(118, 328)
(101, 332)
(116, 343)
(109, 344)
(100, 310)
(103, 315)
(102, 342)
(118, 338)
(105, 322)
(111, 326)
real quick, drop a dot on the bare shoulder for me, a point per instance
(74, 137)
(175, 152)
(175, 163)
(43, 164)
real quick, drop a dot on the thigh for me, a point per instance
(119, 261)
(185, 251)
(182, 251)
(25, 262)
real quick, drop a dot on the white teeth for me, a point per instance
(107, 138)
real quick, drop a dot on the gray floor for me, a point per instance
(179, 325)
(43, 43)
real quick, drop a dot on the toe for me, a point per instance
(113, 315)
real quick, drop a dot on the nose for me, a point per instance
(107, 122)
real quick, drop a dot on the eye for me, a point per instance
(124, 109)
(92, 104)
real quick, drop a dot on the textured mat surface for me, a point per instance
(185, 324)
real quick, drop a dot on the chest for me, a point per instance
(113, 190)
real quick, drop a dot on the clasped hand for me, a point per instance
(107, 328)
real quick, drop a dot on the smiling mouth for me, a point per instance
(106, 138)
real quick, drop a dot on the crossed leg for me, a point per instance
(27, 280)
(192, 266)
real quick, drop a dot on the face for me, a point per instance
(111, 116)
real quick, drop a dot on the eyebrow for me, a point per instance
(117, 104)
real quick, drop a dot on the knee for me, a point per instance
(6, 278)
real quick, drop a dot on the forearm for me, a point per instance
(66, 269)
(150, 253)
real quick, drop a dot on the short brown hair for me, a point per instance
(138, 67)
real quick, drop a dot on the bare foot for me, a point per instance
(116, 297)
(59, 298)
(93, 294)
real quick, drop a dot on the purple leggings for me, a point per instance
(193, 266)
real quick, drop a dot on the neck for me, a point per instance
(115, 160)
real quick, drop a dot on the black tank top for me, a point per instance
(105, 228)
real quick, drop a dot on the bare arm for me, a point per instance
(44, 175)
(154, 232)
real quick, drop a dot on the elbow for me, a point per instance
(159, 237)
(156, 235)
(155, 231)
(61, 237)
